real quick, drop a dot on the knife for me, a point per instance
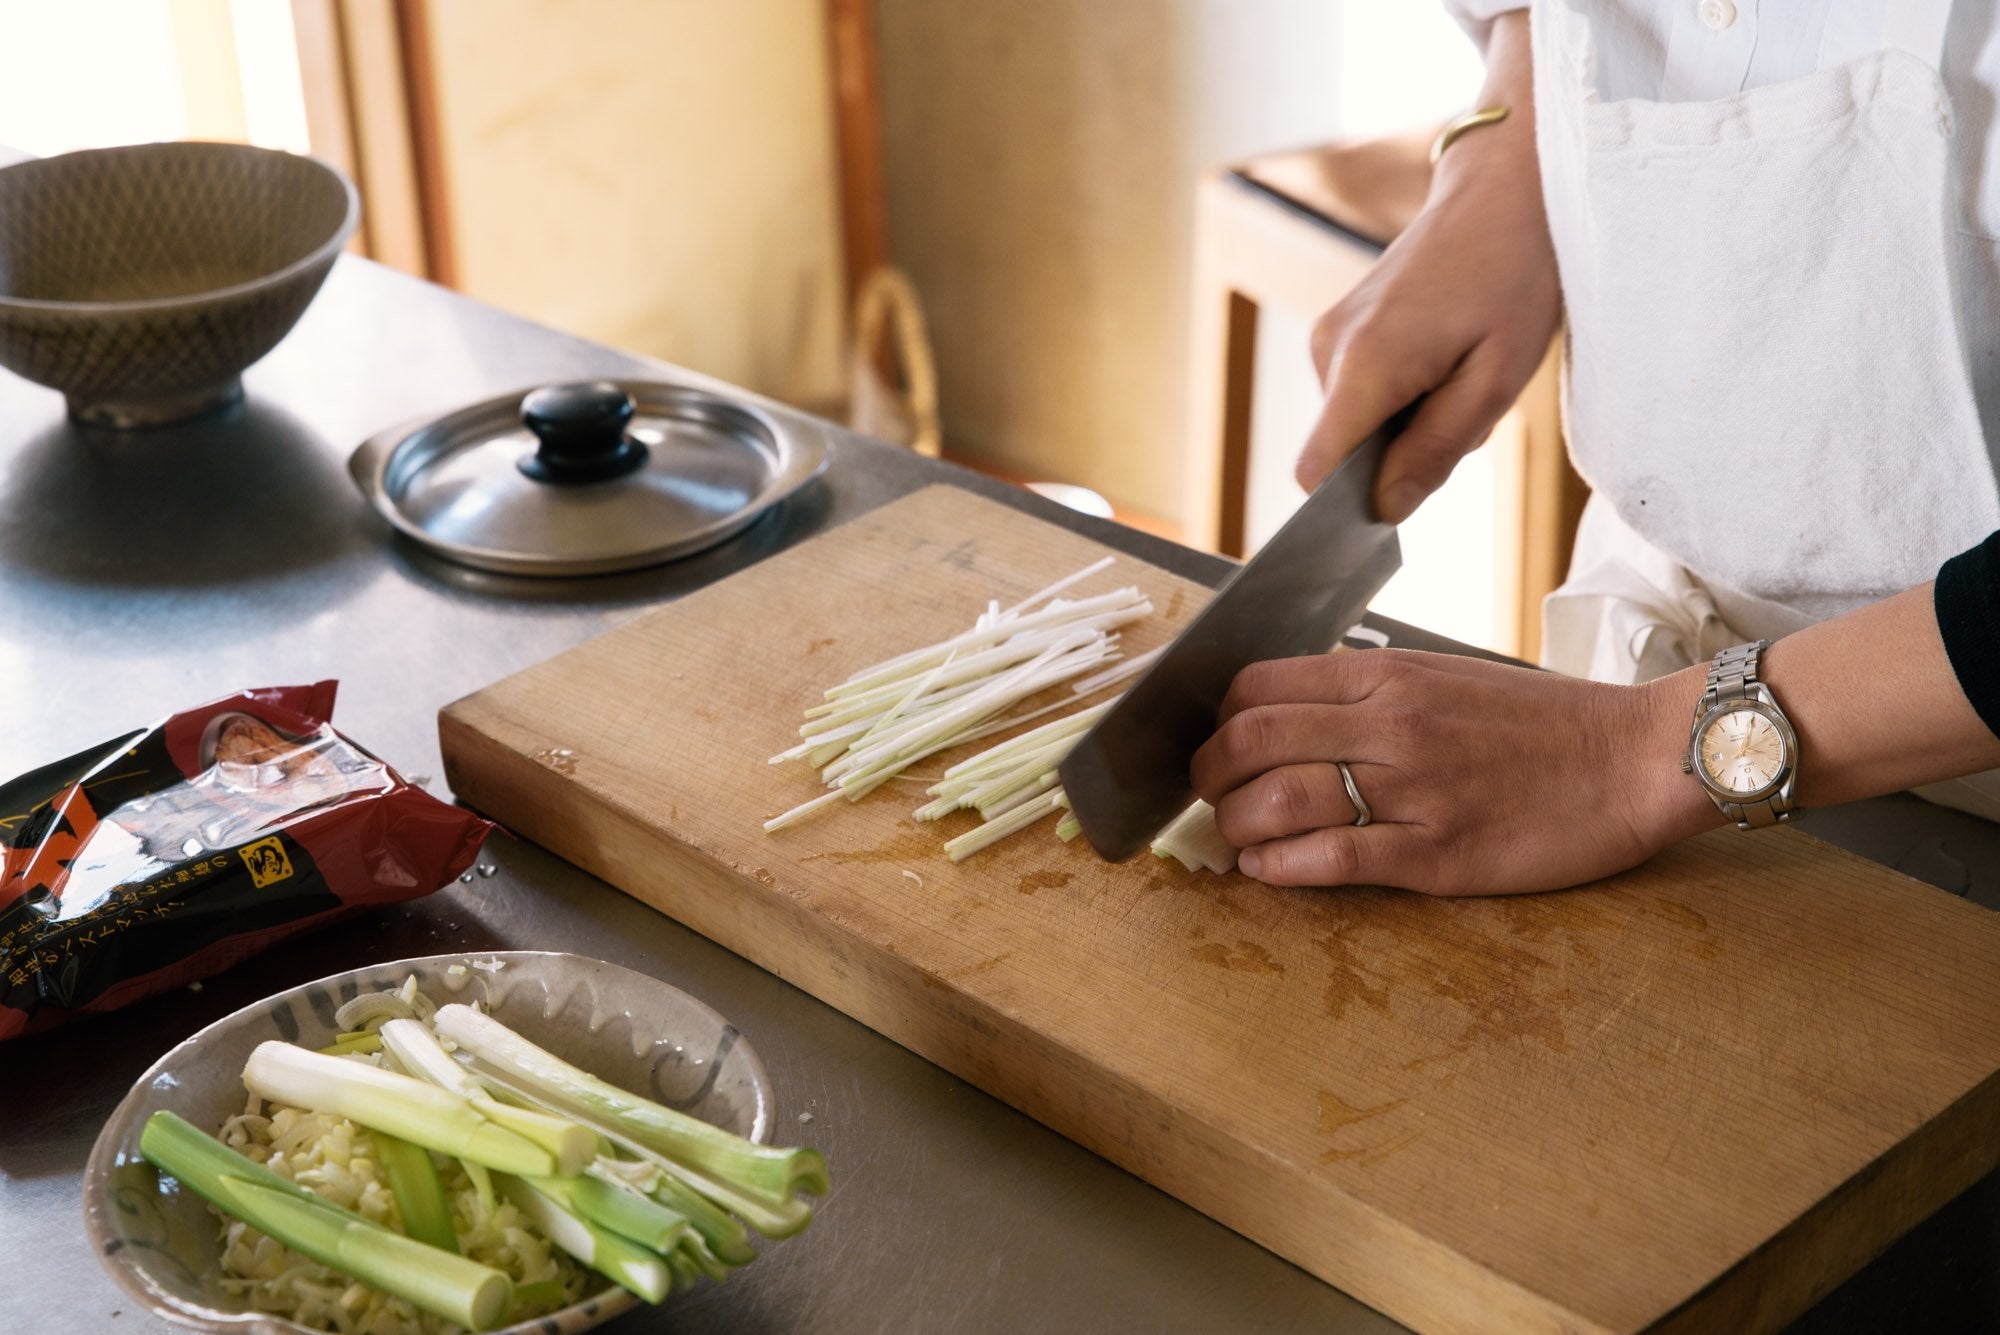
(1128, 777)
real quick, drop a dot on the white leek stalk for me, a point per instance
(382, 1100)
(417, 1050)
(619, 1259)
(1193, 841)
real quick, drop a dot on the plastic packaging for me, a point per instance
(164, 856)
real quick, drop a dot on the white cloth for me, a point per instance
(1766, 377)
(1772, 41)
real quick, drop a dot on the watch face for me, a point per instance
(1742, 751)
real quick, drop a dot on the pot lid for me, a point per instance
(586, 478)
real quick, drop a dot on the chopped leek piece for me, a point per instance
(711, 1152)
(385, 1101)
(438, 1281)
(628, 1213)
(723, 1236)
(1192, 839)
(358, 1042)
(534, 1298)
(416, 1048)
(621, 1260)
(419, 1193)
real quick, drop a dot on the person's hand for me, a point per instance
(1482, 778)
(1459, 311)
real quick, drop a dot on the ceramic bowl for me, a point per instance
(141, 281)
(635, 1031)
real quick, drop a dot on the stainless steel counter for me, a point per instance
(143, 574)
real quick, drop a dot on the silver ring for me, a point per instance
(1362, 815)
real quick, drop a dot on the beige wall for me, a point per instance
(656, 174)
(1041, 159)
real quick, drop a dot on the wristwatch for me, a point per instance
(1743, 749)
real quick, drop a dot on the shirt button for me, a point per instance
(1717, 14)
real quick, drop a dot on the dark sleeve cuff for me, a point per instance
(1967, 598)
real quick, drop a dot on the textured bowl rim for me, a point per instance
(320, 254)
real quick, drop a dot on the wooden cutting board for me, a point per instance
(1696, 1096)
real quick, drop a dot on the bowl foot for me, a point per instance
(126, 414)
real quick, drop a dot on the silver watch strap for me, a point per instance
(1730, 676)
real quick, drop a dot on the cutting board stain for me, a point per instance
(974, 970)
(1703, 944)
(1047, 879)
(825, 642)
(1247, 957)
(1505, 1009)
(1348, 982)
(1336, 1115)
(1545, 920)
(1681, 914)
(911, 849)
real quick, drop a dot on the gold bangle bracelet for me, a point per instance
(1471, 120)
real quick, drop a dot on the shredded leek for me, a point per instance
(885, 718)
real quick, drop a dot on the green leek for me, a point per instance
(624, 1262)
(626, 1212)
(721, 1234)
(765, 1178)
(438, 1281)
(419, 1193)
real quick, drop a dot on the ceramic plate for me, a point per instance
(632, 1030)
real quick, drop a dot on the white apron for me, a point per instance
(1766, 382)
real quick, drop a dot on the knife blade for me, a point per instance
(1128, 777)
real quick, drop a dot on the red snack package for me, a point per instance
(171, 853)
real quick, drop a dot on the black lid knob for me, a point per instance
(581, 430)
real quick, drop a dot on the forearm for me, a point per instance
(1458, 312)
(1872, 696)
(1499, 160)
